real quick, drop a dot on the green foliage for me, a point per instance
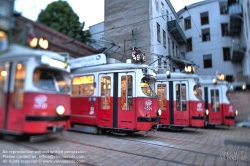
(60, 16)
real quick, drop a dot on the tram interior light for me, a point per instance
(3, 73)
(236, 112)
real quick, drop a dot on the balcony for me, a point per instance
(237, 53)
(235, 13)
(175, 30)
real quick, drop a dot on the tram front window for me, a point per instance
(52, 80)
(146, 88)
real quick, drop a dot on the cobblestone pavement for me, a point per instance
(218, 146)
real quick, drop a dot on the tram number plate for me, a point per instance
(57, 128)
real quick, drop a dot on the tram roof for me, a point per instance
(16, 51)
(176, 75)
(109, 67)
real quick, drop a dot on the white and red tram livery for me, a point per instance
(179, 100)
(219, 110)
(34, 91)
(112, 97)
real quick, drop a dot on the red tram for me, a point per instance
(180, 101)
(34, 92)
(219, 110)
(114, 97)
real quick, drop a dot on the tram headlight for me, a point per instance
(60, 109)
(236, 112)
(207, 112)
(159, 112)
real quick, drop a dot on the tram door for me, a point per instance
(126, 106)
(214, 105)
(106, 90)
(116, 100)
(162, 92)
(3, 109)
(180, 103)
(11, 104)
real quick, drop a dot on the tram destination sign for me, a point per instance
(92, 60)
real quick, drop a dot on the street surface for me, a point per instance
(220, 146)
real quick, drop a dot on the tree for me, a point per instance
(60, 16)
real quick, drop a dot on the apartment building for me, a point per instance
(217, 33)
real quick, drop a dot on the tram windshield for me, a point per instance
(197, 92)
(146, 88)
(49, 79)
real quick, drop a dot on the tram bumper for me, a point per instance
(147, 123)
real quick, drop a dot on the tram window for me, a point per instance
(126, 92)
(52, 80)
(197, 92)
(83, 85)
(3, 74)
(18, 96)
(215, 100)
(105, 92)
(145, 87)
(162, 92)
(181, 100)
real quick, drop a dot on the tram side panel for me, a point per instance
(114, 101)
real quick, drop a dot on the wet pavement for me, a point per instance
(215, 146)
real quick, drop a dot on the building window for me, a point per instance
(224, 29)
(176, 49)
(162, 10)
(204, 18)
(173, 47)
(205, 34)
(158, 33)
(226, 54)
(207, 60)
(168, 46)
(164, 38)
(157, 4)
(167, 15)
(189, 44)
(223, 7)
(187, 22)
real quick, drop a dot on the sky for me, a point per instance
(89, 11)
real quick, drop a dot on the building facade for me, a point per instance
(216, 37)
(6, 22)
(149, 26)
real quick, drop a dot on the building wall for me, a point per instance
(58, 42)
(216, 43)
(122, 17)
(97, 34)
(241, 103)
(246, 35)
